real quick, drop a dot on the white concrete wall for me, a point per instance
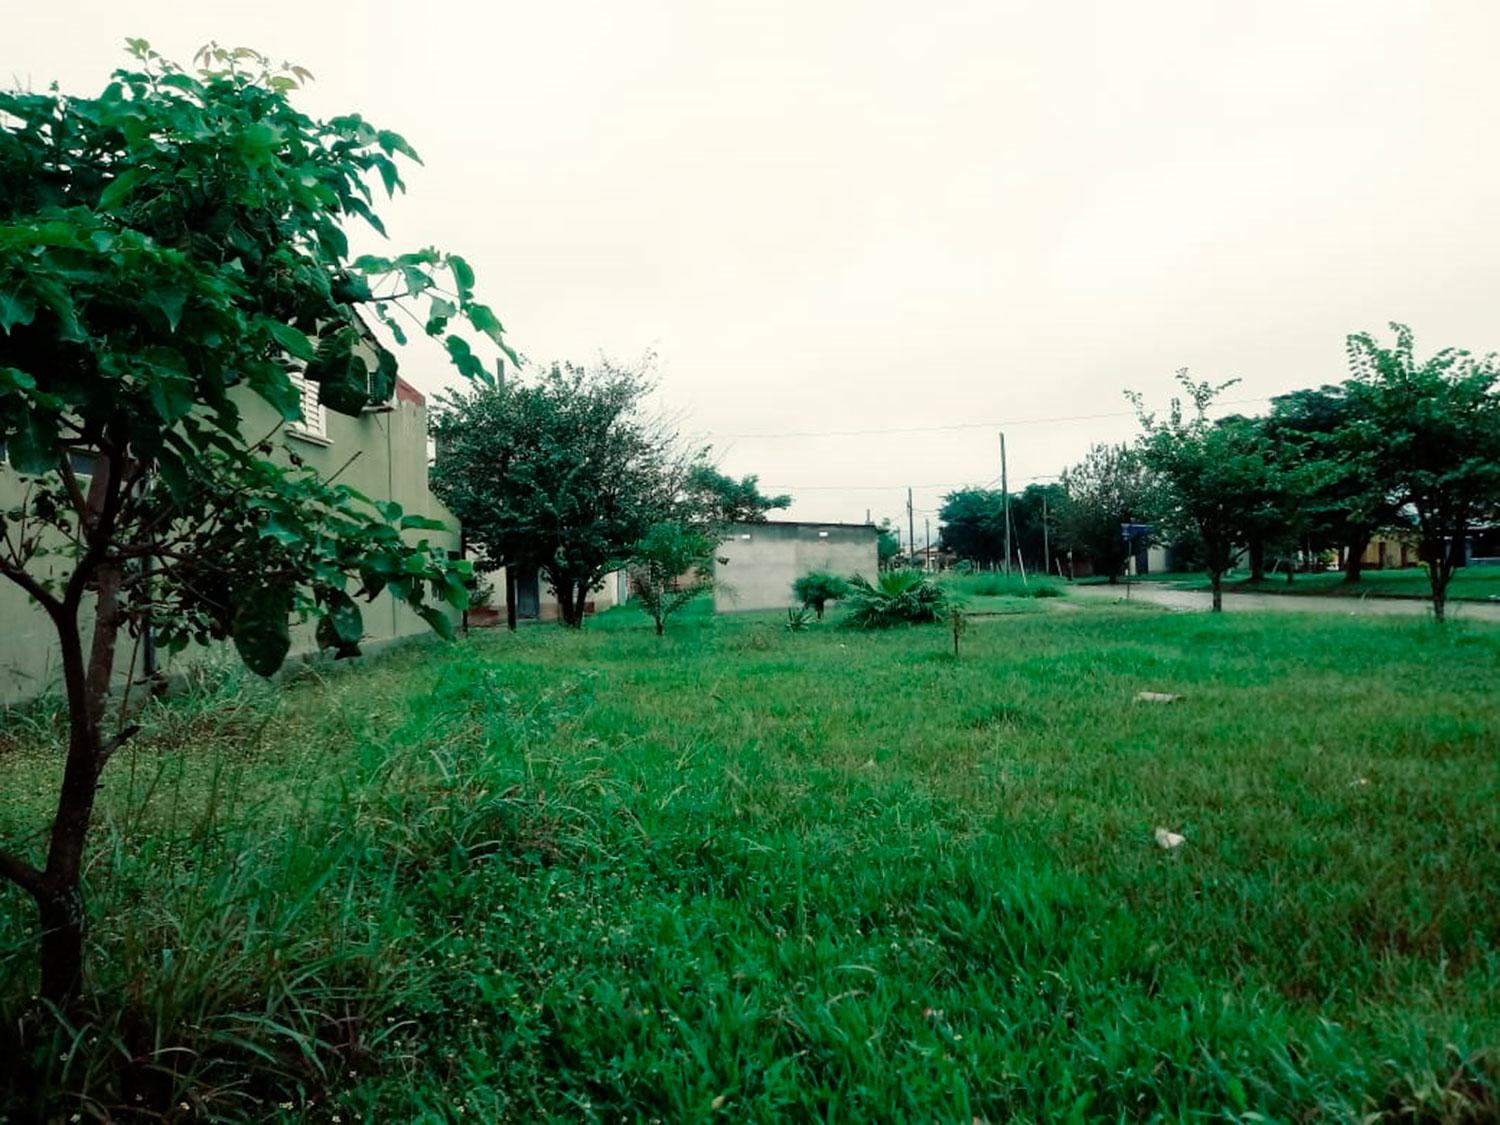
(755, 566)
(392, 464)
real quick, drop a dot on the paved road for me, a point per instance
(1199, 600)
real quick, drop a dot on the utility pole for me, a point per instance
(911, 524)
(1046, 548)
(1005, 492)
(927, 556)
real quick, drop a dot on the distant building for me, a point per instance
(535, 600)
(757, 563)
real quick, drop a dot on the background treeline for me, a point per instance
(1404, 444)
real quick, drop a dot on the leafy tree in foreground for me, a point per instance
(1434, 425)
(565, 474)
(1109, 487)
(169, 250)
(816, 589)
(1215, 473)
(671, 565)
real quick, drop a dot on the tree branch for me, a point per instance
(24, 875)
(46, 600)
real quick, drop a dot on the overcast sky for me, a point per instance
(866, 216)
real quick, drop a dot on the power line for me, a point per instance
(955, 425)
(897, 487)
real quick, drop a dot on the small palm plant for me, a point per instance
(898, 597)
(816, 589)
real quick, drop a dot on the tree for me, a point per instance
(1356, 495)
(1215, 472)
(170, 252)
(671, 565)
(973, 524)
(1111, 486)
(1034, 513)
(817, 588)
(565, 474)
(1434, 426)
(1278, 504)
(712, 496)
(887, 543)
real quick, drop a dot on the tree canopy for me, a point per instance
(170, 251)
(718, 498)
(1109, 487)
(564, 473)
(1431, 428)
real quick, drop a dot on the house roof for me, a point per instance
(805, 523)
(405, 392)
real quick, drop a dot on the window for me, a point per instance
(314, 422)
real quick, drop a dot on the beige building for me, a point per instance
(535, 600)
(758, 562)
(390, 441)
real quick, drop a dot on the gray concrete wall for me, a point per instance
(391, 465)
(758, 562)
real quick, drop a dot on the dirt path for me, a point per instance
(1200, 600)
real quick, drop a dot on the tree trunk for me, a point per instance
(579, 604)
(510, 597)
(61, 902)
(1354, 562)
(61, 916)
(1217, 581)
(661, 626)
(1257, 560)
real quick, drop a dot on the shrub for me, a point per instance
(899, 597)
(814, 590)
(797, 618)
(996, 584)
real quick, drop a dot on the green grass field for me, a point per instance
(755, 874)
(1474, 583)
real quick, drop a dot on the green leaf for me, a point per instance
(421, 523)
(438, 315)
(484, 320)
(261, 630)
(455, 593)
(171, 395)
(343, 378)
(343, 614)
(113, 195)
(390, 510)
(395, 142)
(275, 386)
(281, 532)
(14, 379)
(463, 276)
(171, 301)
(292, 341)
(15, 308)
(437, 620)
(468, 364)
(33, 444)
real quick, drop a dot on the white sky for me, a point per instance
(854, 215)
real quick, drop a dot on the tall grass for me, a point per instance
(761, 875)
